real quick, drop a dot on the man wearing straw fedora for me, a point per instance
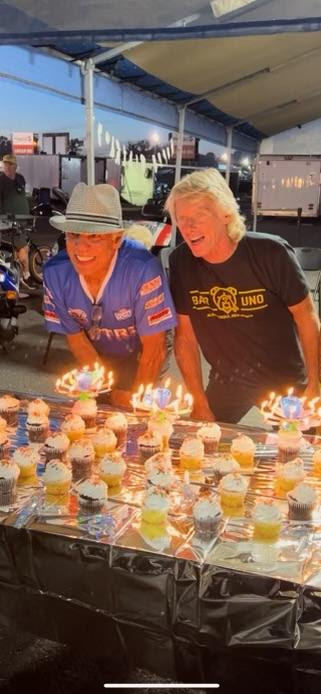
(107, 294)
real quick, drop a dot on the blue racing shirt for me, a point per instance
(134, 300)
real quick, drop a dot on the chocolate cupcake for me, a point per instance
(210, 434)
(87, 410)
(118, 424)
(148, 444)
(9, 408)
(207, 515)
(56, 446)
(92, 495)
(9, 473)
(81, 455)
(224, 465)
(302, 501)
(37, 426)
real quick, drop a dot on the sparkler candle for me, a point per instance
(163, 395)
(151, 399)
(85, 381)
(290, 408)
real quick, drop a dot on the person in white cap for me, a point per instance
(106, 293)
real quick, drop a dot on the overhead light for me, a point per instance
(222, 7)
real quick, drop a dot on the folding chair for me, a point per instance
(310, 261)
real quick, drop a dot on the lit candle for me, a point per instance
(291, 407)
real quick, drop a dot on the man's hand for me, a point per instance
(121, 398)
(203, 412)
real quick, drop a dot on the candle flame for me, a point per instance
(167, 383)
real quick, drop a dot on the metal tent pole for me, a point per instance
(88, 72)
(229, 131)
(179, 158)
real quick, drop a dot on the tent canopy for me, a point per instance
(253, 64)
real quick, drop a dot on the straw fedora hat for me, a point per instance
(91, 210)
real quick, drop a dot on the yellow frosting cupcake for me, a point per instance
(243, 450)
(104, 442)
(267, 522)
(56, 478)
(191, 453)
(155, 507)
(112, 468)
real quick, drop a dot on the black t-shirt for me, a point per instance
(239, 311)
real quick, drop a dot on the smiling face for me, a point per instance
(91, 254)
(203, 225)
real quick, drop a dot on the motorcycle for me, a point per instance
(10, 309)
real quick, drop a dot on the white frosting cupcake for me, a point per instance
(56, 445)
(81, 450)
(38, 407)
(116, 422)
(56, 471)
(192, 447)
(112, 464)
(9, 470)
(233, 483)
(26, 456)
(85, 408)
(155, 500)
(294, 470)
(72, 423)
(206, 509)
(267, 513)
(160, 478)
(242, 444)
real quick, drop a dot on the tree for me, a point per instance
(5, 146)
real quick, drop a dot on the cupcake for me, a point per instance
(233, 490)
(87, 410)
(81, 456)
(56, 446)
(104, 442)
(112, 468)
(148, 444)
(243, 450)
(191, 453)
(224, 465)
(37, 426)
(158, 477)
(289, 442)
(267, 522)
(155, 506)
(73, 426)
(207, 515)
(9, 473)
(27, 458)
(155, 535)
(302, 500)
(160, 461)
(56, 478)
(160, 422)
(37, 407)
(9, 408)
(4, 445)
(3, 425)
(117, 422)
(210, 434)
(92, 494)
(316, 462)
(289, 475)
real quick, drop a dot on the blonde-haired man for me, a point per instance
(242, 297)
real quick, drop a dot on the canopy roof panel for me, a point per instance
(253, 64)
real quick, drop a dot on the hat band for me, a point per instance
(92, 218)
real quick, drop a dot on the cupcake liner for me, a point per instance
(287, 454)
(37, 434)
(147, 451)
(4, 448)
(208, 528)
(87, 505)
(299, 511)
(54, 455)
(90, 421)
(7, 492)
(81, 469)
(210, 446)
(11, 416)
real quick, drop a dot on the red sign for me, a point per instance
(22, 143)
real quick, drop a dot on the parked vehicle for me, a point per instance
(287, 185)
(38, 253)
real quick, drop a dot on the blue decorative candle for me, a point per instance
(162, 397)
(84, 380)
(291, 407)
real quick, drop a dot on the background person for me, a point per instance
(243, 298)
(107, 294)
(13, 200)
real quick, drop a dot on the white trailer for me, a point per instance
(287, 185)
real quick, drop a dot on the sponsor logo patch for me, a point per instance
(160, 316)
(151, 303)
(79, 315)
(150, 286)
(51, 316)
(123, 313)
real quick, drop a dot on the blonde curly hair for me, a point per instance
(211, 183)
